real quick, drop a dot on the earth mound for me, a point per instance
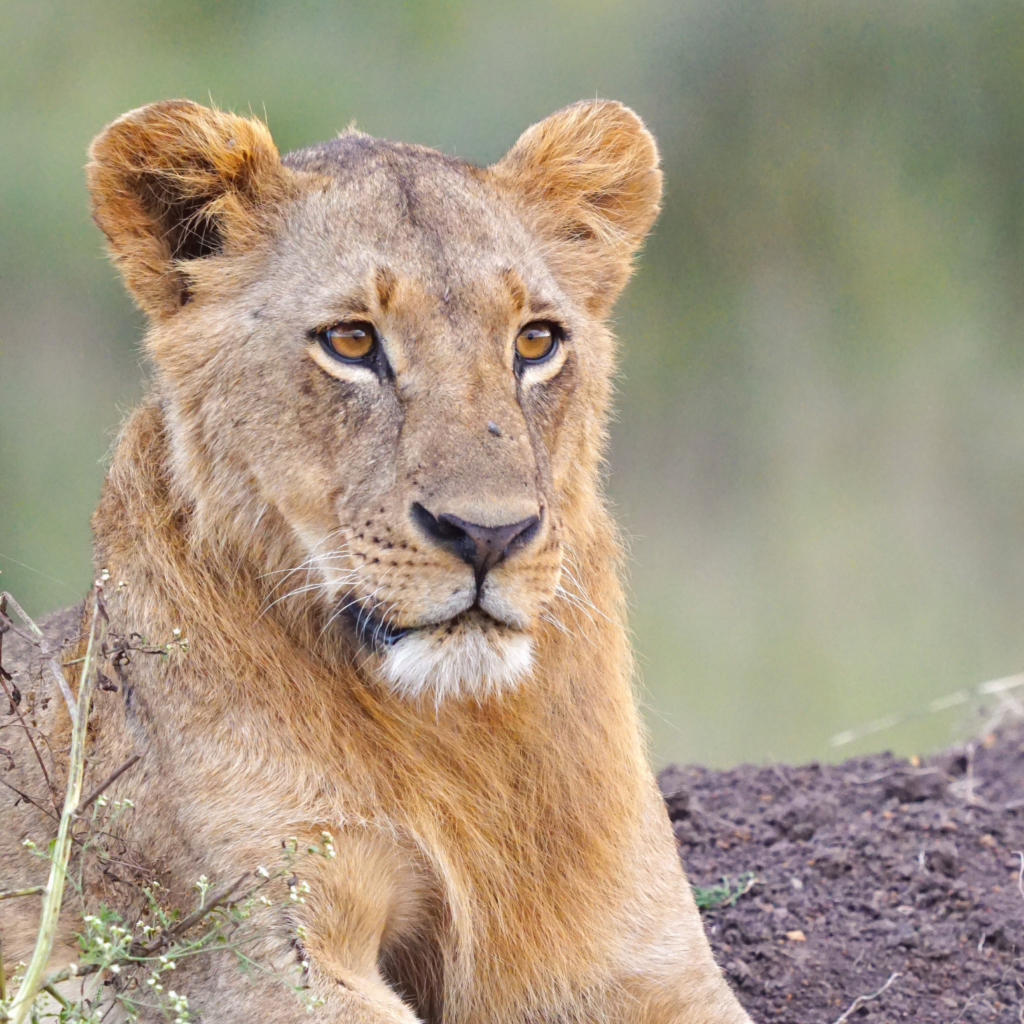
(877, 875)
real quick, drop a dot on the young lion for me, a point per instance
(365, 484)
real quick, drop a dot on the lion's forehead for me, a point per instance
(370, 203)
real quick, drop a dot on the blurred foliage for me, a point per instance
(819, 456)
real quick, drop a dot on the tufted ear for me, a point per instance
(174, 182)
(589, 181)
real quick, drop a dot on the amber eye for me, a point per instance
(536, 342)
(351, 341)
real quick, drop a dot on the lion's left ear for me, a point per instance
(175, 182)
(589, 182)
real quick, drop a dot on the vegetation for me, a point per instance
(130, 966)
(726, 894)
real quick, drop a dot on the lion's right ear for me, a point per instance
(174, 182)
(589, 180)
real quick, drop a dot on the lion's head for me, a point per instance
(384, 370)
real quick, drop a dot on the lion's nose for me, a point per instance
(482, 547)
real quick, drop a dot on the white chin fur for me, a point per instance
(471, 663)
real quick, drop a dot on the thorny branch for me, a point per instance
(221, 899)
(28, 733)
(28, 799)
(221, 911)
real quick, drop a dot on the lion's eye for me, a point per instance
(351, 341)
(536, 342)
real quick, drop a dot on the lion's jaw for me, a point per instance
(464, 658)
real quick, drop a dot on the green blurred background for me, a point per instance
(819, 453)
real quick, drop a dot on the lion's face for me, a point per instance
(388, 418)
(397, 359)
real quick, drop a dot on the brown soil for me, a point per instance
(863, 870)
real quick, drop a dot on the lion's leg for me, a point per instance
(677, 989)
(220, 991)
(327, 944)
(672, 978)
(667, 972)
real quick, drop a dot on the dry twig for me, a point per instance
(32, 890)
(861, 1000)
(109, 780)
(28, 734)
(17, 711)
(39, 641)
(221, 898)
(28, 799)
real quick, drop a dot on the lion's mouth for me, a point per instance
(377, 633)
(471, 653)
(372, 629)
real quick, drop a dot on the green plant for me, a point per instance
(726, 894)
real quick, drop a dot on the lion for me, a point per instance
(366, 485)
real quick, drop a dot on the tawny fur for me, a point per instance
(503, 852)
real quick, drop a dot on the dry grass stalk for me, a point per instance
(53, 894)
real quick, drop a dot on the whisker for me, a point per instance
(560, 626)
(582, 596)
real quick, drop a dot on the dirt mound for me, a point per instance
(841, 876)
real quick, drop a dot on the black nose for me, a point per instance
(482, 547)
